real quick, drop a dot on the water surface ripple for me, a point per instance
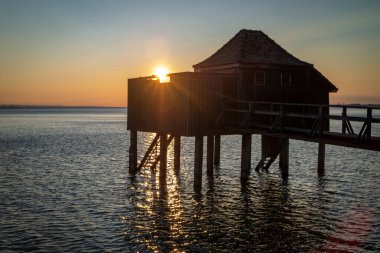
(64, 187)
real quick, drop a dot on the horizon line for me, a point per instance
(57, 106)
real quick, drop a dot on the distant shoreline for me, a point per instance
(56, 107)
(122, 107)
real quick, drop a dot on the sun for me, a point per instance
(162, 74)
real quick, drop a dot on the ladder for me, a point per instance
(152, 157)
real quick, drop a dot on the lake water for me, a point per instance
(64, 187)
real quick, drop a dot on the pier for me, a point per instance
(249, 86)
(275, 136)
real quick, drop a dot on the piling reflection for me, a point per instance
(266, 213)
(157, 207)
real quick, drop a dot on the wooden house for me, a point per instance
(266, 72)
(249, 67)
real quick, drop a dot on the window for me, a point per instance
(259, 78)
(286, 79)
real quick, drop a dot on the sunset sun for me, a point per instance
(161, 73)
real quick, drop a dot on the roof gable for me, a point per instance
(252, 47)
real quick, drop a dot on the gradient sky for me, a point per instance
(82, 52)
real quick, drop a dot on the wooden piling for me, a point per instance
(133, 153)
(284, 157)
(344, 119)
(321, 158)
(217, 150)
(210, 155)
(369, 121)
(177, 153)
(163, 158)
(246, 155)
(198, 157)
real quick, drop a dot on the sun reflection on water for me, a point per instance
(161, 203)
(171, 218)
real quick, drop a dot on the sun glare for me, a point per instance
(162, 74)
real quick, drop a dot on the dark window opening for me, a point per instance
(286, 79)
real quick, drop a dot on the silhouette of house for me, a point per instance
(251, 85)
(250, 66)
(266, 72)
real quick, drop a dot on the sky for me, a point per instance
(81, 53)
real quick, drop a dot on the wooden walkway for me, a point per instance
(281, 120)
(276, 123)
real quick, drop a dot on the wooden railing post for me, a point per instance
(344, 118)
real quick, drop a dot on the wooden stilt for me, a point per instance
(133, 153)
(217, 150)
(270, 149)
(321, 158)
(177, 153)
(198, 157)
(246, 155)
(210, 155)
(284, 157)
(163, 158)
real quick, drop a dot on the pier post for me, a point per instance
(198, 157)
(284, 157)
(177, 153)
(163, 158)
(210, 155)
(321, 158)
(133, 153)
(217, 150)
(246, 155)
(344, 120)
(369, 121)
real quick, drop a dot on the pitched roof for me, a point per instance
(249, 46)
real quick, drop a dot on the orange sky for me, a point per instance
(82, 53)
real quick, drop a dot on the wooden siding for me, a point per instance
(190, 104)
(187, 106)
(306, 87)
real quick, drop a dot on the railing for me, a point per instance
(310, 119)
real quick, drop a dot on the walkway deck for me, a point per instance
(278, 120)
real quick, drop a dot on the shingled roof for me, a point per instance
(252, 47)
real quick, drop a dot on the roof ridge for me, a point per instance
(252, 47)
(243, 44)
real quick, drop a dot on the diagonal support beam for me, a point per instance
(148, 152)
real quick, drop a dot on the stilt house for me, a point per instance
(251, 85)
(249, 67)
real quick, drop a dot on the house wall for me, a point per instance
(283, 84)
(187, 106)
(305, 85)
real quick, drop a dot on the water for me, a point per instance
(64, 187)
